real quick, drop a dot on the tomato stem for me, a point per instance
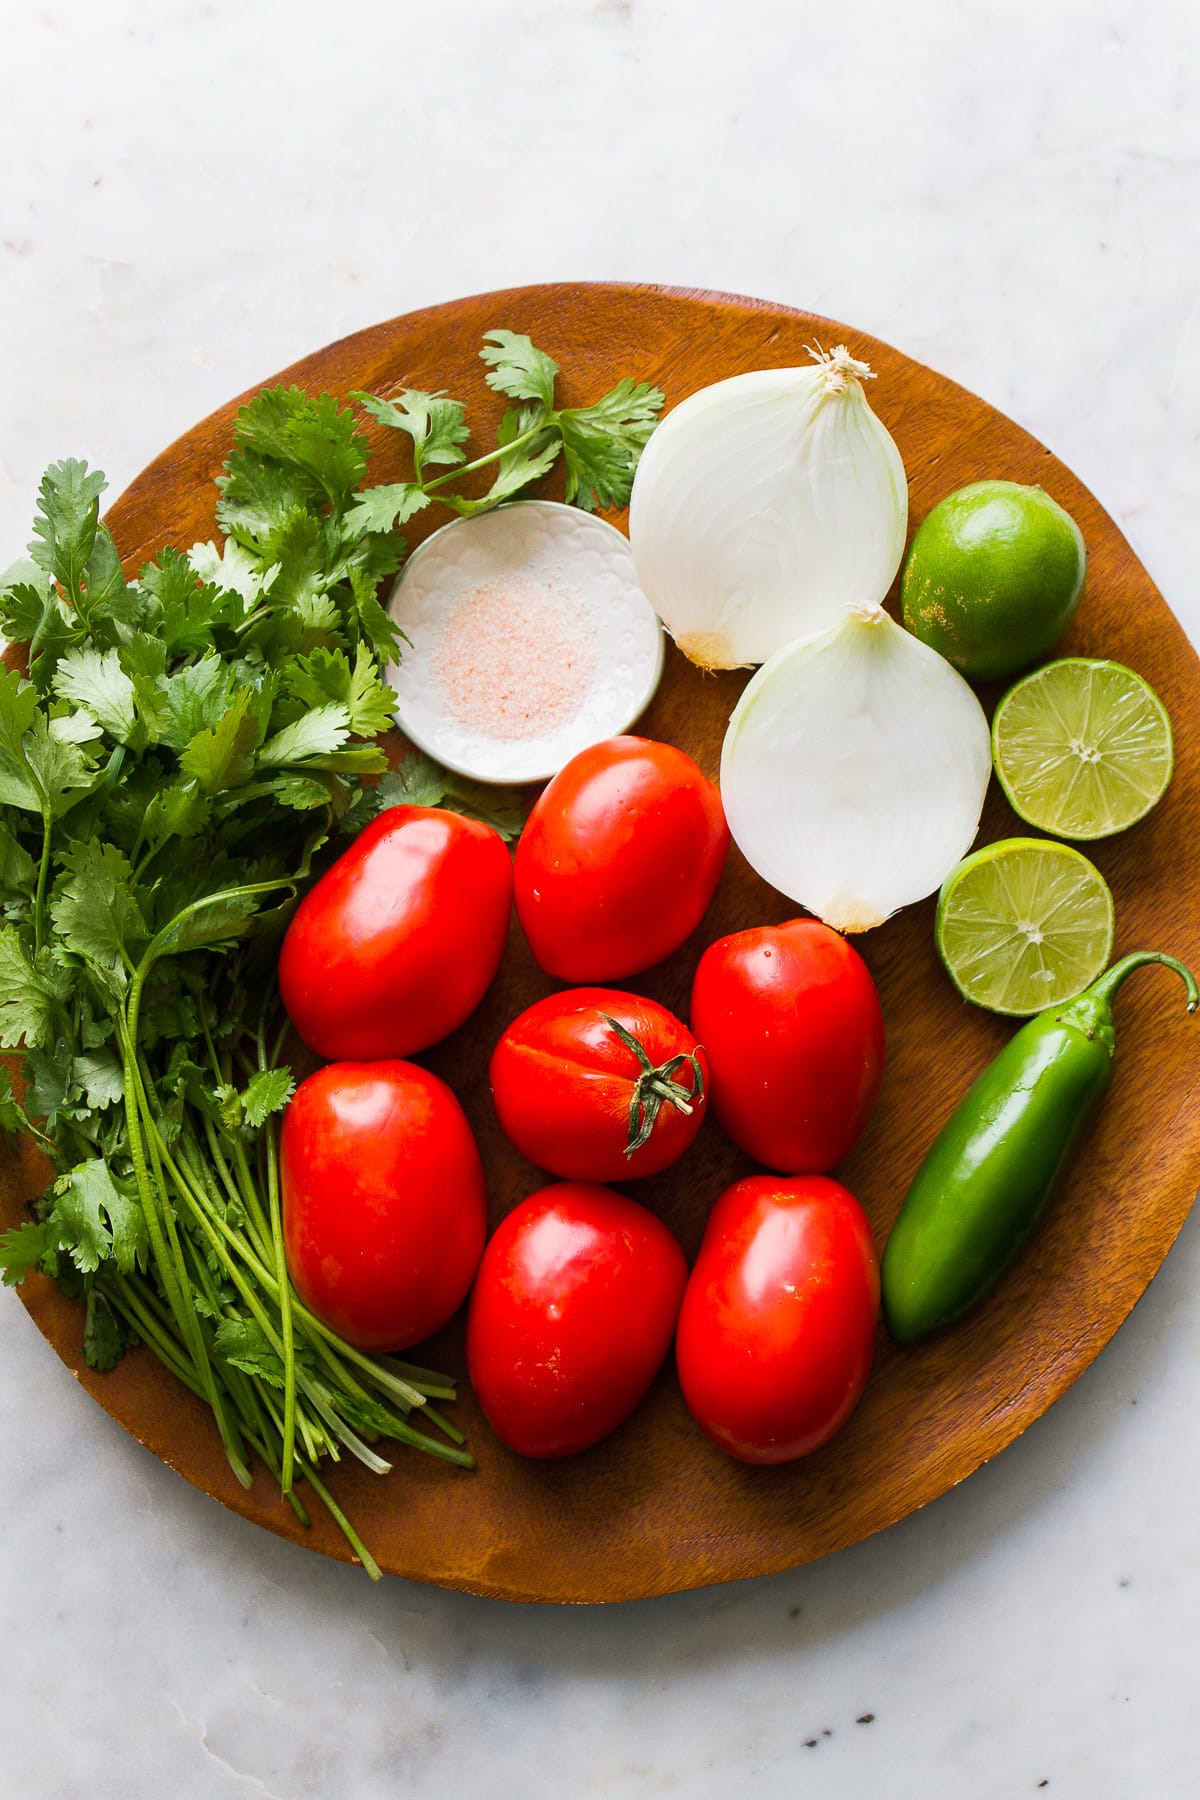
(656, 1085)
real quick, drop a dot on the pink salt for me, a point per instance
(514, 659)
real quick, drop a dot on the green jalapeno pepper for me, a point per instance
(1002, 1155)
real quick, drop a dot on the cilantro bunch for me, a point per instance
(180, 754)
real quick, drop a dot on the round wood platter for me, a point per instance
(656, 1508)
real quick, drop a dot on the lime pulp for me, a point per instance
(1024, 924)
(1082, 748)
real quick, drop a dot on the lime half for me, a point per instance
(1082, 748)
(1024, 924)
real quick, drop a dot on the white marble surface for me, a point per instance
(195, 193)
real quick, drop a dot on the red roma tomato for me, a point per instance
(571, 1316)
(792, 1025)
(618, 860)
(384, 1209)
(573, 1095)
(778, 1321)
(398, 942)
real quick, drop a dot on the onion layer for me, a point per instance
(764, 506)
(854, 770)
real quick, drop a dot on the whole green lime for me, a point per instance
(993, 577)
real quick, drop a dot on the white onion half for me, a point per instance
(854, 770)
(763, 506)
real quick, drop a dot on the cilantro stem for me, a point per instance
(383, 1372)
(162, 1234)
(341, 1521)
(196, 1279)
(39, 904)
(124, 1295)
(161, 945)
(48, 1145)
(318, 1396)
(285, 1300)
(321, 1398)
(246, 1197)
(547, 423)
(433, 1386)
(151, 1330)
(274, 1203)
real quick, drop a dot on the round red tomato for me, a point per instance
(580, 1099)
(399, 940)
(571, 1316)
(618, 860)
(777, 1326)
(792, 1025)
(384, 1209)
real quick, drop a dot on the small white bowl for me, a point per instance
(556, 645)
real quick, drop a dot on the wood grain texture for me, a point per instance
(656, 1508)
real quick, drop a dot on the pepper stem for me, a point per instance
(1106, 985)
(654, 1085)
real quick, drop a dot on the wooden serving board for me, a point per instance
(656, 1508)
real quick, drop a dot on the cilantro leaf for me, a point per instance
(228, 917)
(100, 1078)
(94, 1216)
(257, 495)
(243, 1343)
(323, 729)
(33, 613)
(517, 368)
(65, 528)
(23, 1249)
(223, 757)
(48, 1075)
(266, 1092)
(196, 699)
(419, 781)
(59, 768)
(29, 991)
(177, 810)
(372, 702)
(524, 464)
(384, 507)
(602, 443)
(379, 630)
(73, 725)
(233, 570)
(96, 680)
(11, 1116)
(500, 807)
(302, 792)
(18, 871)
(24, 591)
(18, 711)
(94, 909)
(315, 437)
(296, 551)
(325, 675)
(371, 555)
(436, 424)
(184, 612)
(110, 602)
(106, 1336)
